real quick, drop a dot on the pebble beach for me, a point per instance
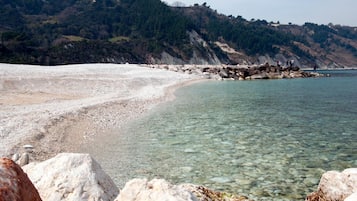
(57, 108)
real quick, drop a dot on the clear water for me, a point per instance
(269, 140)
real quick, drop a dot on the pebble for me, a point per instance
(221, 179)
(189, 151)
(186, 169)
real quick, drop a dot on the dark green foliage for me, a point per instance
(321, 33)
(80, 31)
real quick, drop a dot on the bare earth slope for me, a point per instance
(58, 108)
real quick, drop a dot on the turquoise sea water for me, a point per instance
(269, 140)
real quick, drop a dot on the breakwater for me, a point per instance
(231, 72)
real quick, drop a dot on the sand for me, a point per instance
(59, 108)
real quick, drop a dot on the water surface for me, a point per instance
(269, 140)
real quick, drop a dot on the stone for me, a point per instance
(221, 179)
(352, 197)
(202, 193)
(15, 184)
(154, 190)
(335, 186)
(24, 159)
(68, 177)
(161, 190)
(15, 157)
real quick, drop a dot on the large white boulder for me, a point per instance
(352, 197)
(71, 177)
(336, 186)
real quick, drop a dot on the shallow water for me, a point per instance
(268, 139)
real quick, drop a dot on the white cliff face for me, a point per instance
(336, 186)
(69, 177)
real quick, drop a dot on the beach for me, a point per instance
(58, 108)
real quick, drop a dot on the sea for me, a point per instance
(265, 139)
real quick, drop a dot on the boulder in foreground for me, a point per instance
(336, 186)
(69, 177)
(14, 183)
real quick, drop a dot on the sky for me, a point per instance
(342, 12)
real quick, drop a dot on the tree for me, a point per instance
(178, 4)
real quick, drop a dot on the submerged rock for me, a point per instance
(71, 177)
(14, 183)
(336, 186)
(203, 194)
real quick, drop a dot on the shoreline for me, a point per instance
(76, 103)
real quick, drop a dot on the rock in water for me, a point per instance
(154, 190)
(14, 183)
(71, 177)
(161, 190)
(336, 186)
(203, 194)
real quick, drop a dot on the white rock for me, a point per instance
(352, 197)
(27, 146)
(154, 190)
(71, 177)
(24, 159)
(161, 190)
(336, 186)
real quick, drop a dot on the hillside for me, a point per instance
(148, 31)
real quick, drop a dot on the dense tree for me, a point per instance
(41, 32)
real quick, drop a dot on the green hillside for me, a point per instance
(56, 32)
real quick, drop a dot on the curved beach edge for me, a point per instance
(61, 108)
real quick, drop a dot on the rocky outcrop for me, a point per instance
(202, 53)
(161, 190)
(336, 186)
(241, 73)
(14, 183)
(69, 177)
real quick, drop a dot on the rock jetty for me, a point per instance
(230, 72)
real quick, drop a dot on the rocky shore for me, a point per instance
(78, 177)
(230, 72)
(54, 109)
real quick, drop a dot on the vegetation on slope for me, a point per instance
(82, 31)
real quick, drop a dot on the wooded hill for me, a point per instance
(56, 32)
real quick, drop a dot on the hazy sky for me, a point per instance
(342, 12)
